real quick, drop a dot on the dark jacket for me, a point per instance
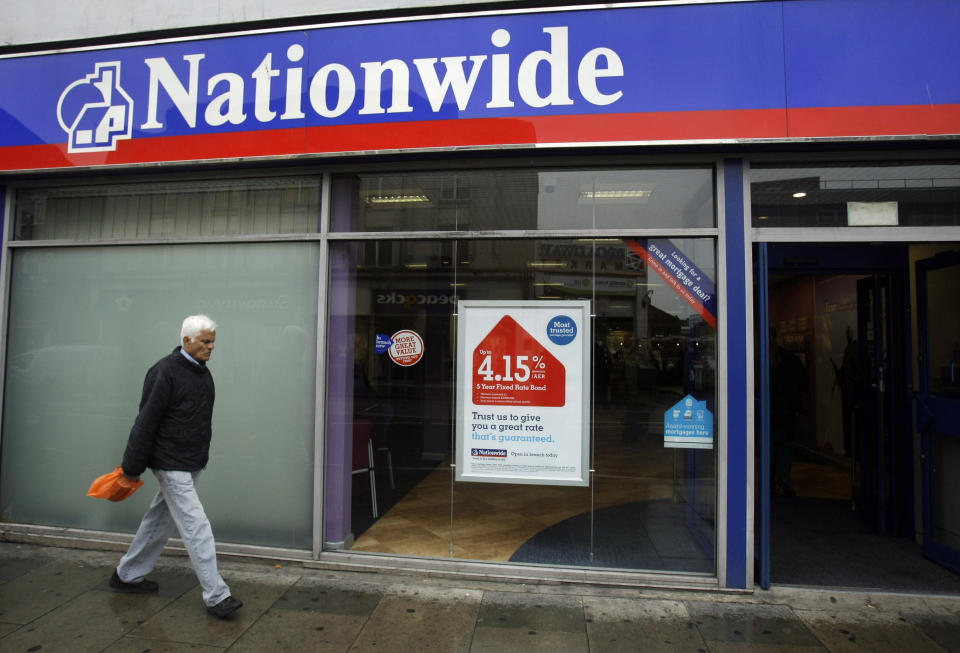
(172, 431)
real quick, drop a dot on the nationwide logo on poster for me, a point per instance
(95, 111)
(511, 368)
(488, 453)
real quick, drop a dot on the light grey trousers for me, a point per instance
(176, 508)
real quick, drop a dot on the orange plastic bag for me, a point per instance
(113, 486)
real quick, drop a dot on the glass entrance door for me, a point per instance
(938, 405)
(881, 445)
(872, 419)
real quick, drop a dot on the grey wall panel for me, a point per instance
(26, 22)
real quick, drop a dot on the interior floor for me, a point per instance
(818, 538)
(493, 521)
(822, 542)
(491, 525)
(829, 325)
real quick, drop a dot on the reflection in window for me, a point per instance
(820, 195)
(529, 199)
(271, 205)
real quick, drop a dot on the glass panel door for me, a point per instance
(881, 443)
(872, 415)
(938, 410)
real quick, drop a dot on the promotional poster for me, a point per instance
(523, 392)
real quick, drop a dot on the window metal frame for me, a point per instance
(324, 236)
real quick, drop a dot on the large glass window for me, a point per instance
(648, 506)
(237, 207)
(851, 195)
(529, 199)
(86, 323)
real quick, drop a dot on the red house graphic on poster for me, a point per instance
(511, 368)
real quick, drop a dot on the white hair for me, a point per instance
(194, 324)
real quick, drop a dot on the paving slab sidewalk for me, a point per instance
(57, 599)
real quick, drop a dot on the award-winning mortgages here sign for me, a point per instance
(523, 392)
(673, 72)
(688, 424)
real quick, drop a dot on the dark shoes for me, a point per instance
(143, 587)
(225, 608)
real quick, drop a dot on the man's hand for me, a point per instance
(132, 479)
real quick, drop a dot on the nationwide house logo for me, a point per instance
(243, 88)
(489, 453)
(95, 111)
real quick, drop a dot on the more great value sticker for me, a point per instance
(407, 348)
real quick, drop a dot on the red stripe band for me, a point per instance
(761, 124)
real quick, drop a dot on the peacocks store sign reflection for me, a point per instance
(522, 410)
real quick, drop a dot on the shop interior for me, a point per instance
(647, 507)
(850, 501)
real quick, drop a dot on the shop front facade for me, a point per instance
(499, 293)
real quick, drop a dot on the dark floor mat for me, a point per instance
(824, 542)
(656, 535)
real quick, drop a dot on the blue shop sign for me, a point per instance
(663, 72)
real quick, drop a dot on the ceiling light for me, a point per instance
(415, 265)
(800, 194)
(397, 199)
(546, 264)
(621, 194)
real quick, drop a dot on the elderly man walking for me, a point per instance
(171, 436)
